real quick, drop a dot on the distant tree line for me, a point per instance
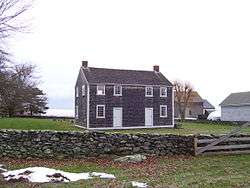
(19, 92)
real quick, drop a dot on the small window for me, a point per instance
(100, 90)
(83, 90)
(149, 91)
(100, 111)
(77, 92)
(118, 90)
(76, 112)
(163, 91)
(163, 111)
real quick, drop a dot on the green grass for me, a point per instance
(46, 124)
(187, 128)
(176, 171)
(36, 124)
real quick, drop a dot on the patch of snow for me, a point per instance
(139, 185)
(42, 175)
(102, 175)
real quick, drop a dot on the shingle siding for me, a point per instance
(116, 76)
(133, 102)
(81, 101)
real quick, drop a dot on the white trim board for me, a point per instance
(173, 96)
(124, 128)
(79, 126)
(88, 105)
(93, 83)
(84, 77)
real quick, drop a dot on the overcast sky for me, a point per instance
(204, 42)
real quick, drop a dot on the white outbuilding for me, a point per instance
(236, 107)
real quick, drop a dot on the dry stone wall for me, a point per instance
(50, 144)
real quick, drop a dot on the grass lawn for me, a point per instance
(46, 124)
(176, 171)
(36, 124)
(187, 128)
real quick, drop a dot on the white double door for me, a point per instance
(149, 117)
(117, 117)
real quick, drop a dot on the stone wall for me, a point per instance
(49, 144)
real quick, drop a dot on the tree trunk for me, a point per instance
(183, 114)
(182, 111)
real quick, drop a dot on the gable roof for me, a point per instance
(194, 97)
(237, 99)
(207, 105)
(118, 76)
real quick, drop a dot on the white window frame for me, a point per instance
(161, 106)
(115, 87)
(77, 112)
(83, 90)
(161, 95)
(77, 92)
(97, 89)
(147, 87)
(97, 116)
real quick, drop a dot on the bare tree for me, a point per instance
(10, 14)
(14, 80)
(183, 91)
(11, 20)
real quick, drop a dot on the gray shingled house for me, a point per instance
(121, 99)
(236, 107)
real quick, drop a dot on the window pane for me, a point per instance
(164, 91)
(100, 111)
(118, 90)
(100, 90)
(164, 111)
(149, 91)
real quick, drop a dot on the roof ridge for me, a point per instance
(122, 69)
(109, 75)
(241, 92)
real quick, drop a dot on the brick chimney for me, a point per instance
(157, 68)
(85, 64)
